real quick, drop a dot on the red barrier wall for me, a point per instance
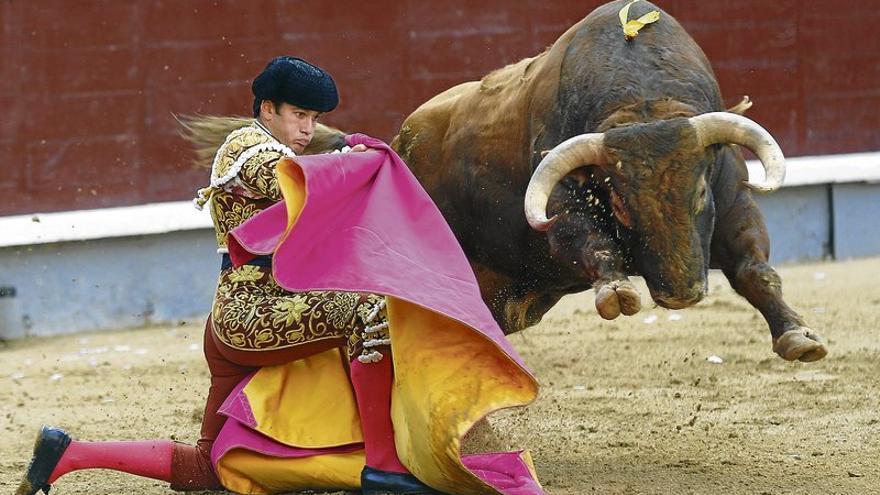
(87, 88)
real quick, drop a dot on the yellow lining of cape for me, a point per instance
(307, 403)
(243, 471)
(292, 183)
(447, 377)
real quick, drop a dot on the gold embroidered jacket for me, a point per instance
(250, 311)
(242, 178)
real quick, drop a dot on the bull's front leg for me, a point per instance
(741, 247)
(615, 293)
(573, 239)
(578, 242)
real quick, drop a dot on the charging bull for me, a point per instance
(626, 163)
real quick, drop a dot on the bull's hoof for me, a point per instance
(616, 297)
(800, 344)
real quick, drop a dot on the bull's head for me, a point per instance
(658, 175)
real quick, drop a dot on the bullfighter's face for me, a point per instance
(290, 124)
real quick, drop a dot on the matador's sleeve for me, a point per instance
(257, 175)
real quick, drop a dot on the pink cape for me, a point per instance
(368, 226)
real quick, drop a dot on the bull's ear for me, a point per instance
(741, 107)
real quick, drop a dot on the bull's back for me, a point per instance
(421, 137)
(465, 125)
(662, 62)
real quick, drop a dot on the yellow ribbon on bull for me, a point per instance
(631, 28)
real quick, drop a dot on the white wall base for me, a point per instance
(157, 264)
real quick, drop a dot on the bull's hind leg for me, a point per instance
(741, 247)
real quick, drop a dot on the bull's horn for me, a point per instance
(585, 149)
(725, 127)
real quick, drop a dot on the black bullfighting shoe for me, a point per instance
(50, 445)
(375, 482)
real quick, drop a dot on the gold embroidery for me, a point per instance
(237, 340)
(288, 311)
(251, 312)
(229, 152)
(258, 175)
(366, 307)
(255, 187)
(246, 273)
(341, 308)
(354, 345)
(230, 210)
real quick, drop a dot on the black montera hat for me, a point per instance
(295, 81)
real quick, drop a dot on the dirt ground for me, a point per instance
(631, 406)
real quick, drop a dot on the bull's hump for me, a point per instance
(450, 96)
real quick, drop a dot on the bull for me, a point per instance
(622, 156)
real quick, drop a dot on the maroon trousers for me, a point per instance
(191, 467)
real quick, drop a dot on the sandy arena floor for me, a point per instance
(631, 406)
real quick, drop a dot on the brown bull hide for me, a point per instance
(474, 148)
